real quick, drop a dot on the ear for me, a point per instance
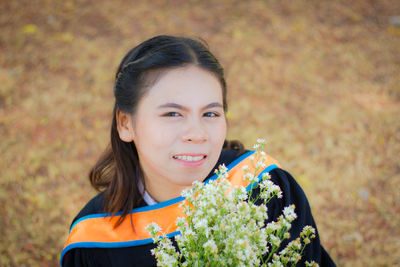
(124, 126)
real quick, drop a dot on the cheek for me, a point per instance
(155, 135)
(218, 132)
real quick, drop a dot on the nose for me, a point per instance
(195, 132)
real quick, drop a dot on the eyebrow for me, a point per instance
(177, 106)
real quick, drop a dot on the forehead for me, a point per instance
(184, 85)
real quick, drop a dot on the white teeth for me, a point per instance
(189, 158)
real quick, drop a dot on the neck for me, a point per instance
(161, 191)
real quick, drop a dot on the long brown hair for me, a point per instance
(118, 169)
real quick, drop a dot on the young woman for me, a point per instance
(168, 130)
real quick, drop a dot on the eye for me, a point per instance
(211, 114)
(171, 114)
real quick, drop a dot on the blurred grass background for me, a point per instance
(318, 79)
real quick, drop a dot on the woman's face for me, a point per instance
(179, 129)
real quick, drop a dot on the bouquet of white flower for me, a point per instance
(223, 226)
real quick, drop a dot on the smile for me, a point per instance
(189, 158)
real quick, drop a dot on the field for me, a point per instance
(319, 80)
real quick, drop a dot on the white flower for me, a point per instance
(186, 193)
(285, 224)
(153, 228)
(202, 223)
(289, 213)
(260, 164)
(166, 259)
(275, 241)
(311, 264)
(269, 189)
(261, 141)
(224, 226)
(250, 177)
(181, 221)
(275, 263)
(266, 184)
(238, 193)
(222, 168)
(266, 176)
(273, 226)
(210, 244)
(308, 230)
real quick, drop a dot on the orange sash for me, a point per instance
(97, 230)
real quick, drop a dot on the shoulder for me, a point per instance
(292, 193)
(93, 206)
(226, 157)
(286, 181)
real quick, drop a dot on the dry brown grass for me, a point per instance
(318, 79)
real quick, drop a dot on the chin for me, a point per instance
(188, 181)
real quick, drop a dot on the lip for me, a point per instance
(191, 163)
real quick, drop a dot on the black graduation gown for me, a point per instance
(141, 256)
